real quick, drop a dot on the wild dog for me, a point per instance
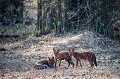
(90, 56)
(62, 56)
(45, 63)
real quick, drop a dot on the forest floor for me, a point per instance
(21, 54)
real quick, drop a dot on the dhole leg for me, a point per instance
(72, 63)
(68, 62)
(60, 63)
(77, 63)
(80, 64)
(56, 63)
(91, 63)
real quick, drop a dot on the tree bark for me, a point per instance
(39, 17)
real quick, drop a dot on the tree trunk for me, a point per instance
(65, 17)
(59, 17)
(39, 17)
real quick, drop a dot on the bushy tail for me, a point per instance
(94, 60)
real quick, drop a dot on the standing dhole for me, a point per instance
(90, 56)
(62, 56)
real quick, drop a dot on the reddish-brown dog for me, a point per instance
(62, 56)
(45, 63)
(90, 56)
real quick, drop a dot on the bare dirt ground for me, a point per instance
(21, 54)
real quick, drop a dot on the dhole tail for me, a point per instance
(94, 60)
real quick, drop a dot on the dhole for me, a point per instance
(45, 63)
(90, 56)
(62, 56)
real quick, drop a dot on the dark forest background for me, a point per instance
(61, 16)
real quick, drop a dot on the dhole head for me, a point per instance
(56, 51)
(71, 51)
(51, 62)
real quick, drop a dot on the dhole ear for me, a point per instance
(69, 49)
(58, 50)
(54, 50)
(48, 58)
(73, 49)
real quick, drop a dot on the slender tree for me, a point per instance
(39, 16)
(59, 16)
(65, 16)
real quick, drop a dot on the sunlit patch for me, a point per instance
(26, 52)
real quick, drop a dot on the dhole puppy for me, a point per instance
(45, 63)
(90, 56)
(62, 56)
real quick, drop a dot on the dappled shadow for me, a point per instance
(22, 55)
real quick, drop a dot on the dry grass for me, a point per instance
(22, 55)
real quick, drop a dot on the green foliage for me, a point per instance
(61, 16)
(10, 10)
